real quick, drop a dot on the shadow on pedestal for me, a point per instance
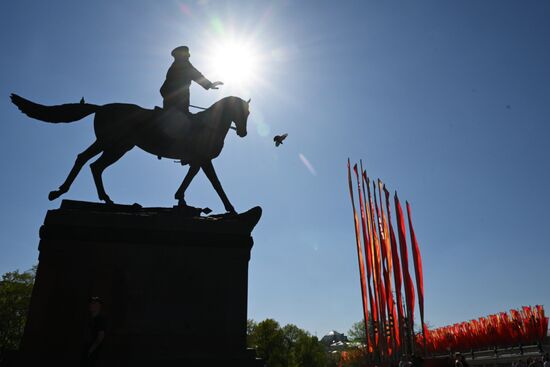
(174, 287)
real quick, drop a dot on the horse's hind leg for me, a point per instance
(210, 172)
(81, 159)
(97, 167)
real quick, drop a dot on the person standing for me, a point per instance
(458, 360)
(95, 333)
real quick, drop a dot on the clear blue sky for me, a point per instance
(447, 101)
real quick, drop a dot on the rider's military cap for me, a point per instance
(180, 51)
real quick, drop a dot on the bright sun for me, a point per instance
(235, 63)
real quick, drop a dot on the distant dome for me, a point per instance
(333, 337)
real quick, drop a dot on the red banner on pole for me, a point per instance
(379, 290)
(417, 259)
(396, 269)
(525, 326)
(366, 243)
(359, 251)
(408, 283)
(386, 266)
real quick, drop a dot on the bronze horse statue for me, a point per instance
(120, 127)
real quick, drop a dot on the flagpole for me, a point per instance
(366, 244)
(396, 267)
(359, 252)
(367, 240)
(387, 269)
(383, 284)
(376, 261)
(374, 297)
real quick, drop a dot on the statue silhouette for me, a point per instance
(171, 134)
(175, 90)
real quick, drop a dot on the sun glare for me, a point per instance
(235, 63)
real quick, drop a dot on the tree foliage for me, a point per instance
(357, 331)
(287, 346)
(308, 352)
(15, 297)
(250, 327)
(268, 339)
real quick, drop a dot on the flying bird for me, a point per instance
(278, 139)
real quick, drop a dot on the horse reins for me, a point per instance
(199, 107)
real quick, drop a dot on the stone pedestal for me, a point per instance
(174, 287)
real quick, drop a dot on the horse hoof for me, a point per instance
(230, 210)
(108, 201)
(55, 194)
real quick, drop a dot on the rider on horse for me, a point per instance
(175, 90)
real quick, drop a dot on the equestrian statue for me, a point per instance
(171, 132)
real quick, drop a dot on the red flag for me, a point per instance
(543, 322)
(366, 243)
(372, 259)
(387, 265)
(418, 268)
(367, 224)
(359, 250)
(379, 292)
(385, 284)
(501, 329)
(396, 267)
(408, 283)
(367, 239)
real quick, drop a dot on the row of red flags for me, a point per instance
(381, 255)
(525, 326)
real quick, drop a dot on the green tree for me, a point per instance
(292, 335)
(309, 352)
(288, 346)
(357, 331)
(15, 297)
(250, 328)
(268, 340)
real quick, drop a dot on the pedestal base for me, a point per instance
(174, 287)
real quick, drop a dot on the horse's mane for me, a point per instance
(219, 105)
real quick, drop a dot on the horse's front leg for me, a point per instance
(180, 194)
(208, 169)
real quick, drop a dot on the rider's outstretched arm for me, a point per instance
(202, 81)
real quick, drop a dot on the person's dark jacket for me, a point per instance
(179, 77)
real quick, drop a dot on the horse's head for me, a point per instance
(240, 116)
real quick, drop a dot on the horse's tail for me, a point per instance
(62, 113)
